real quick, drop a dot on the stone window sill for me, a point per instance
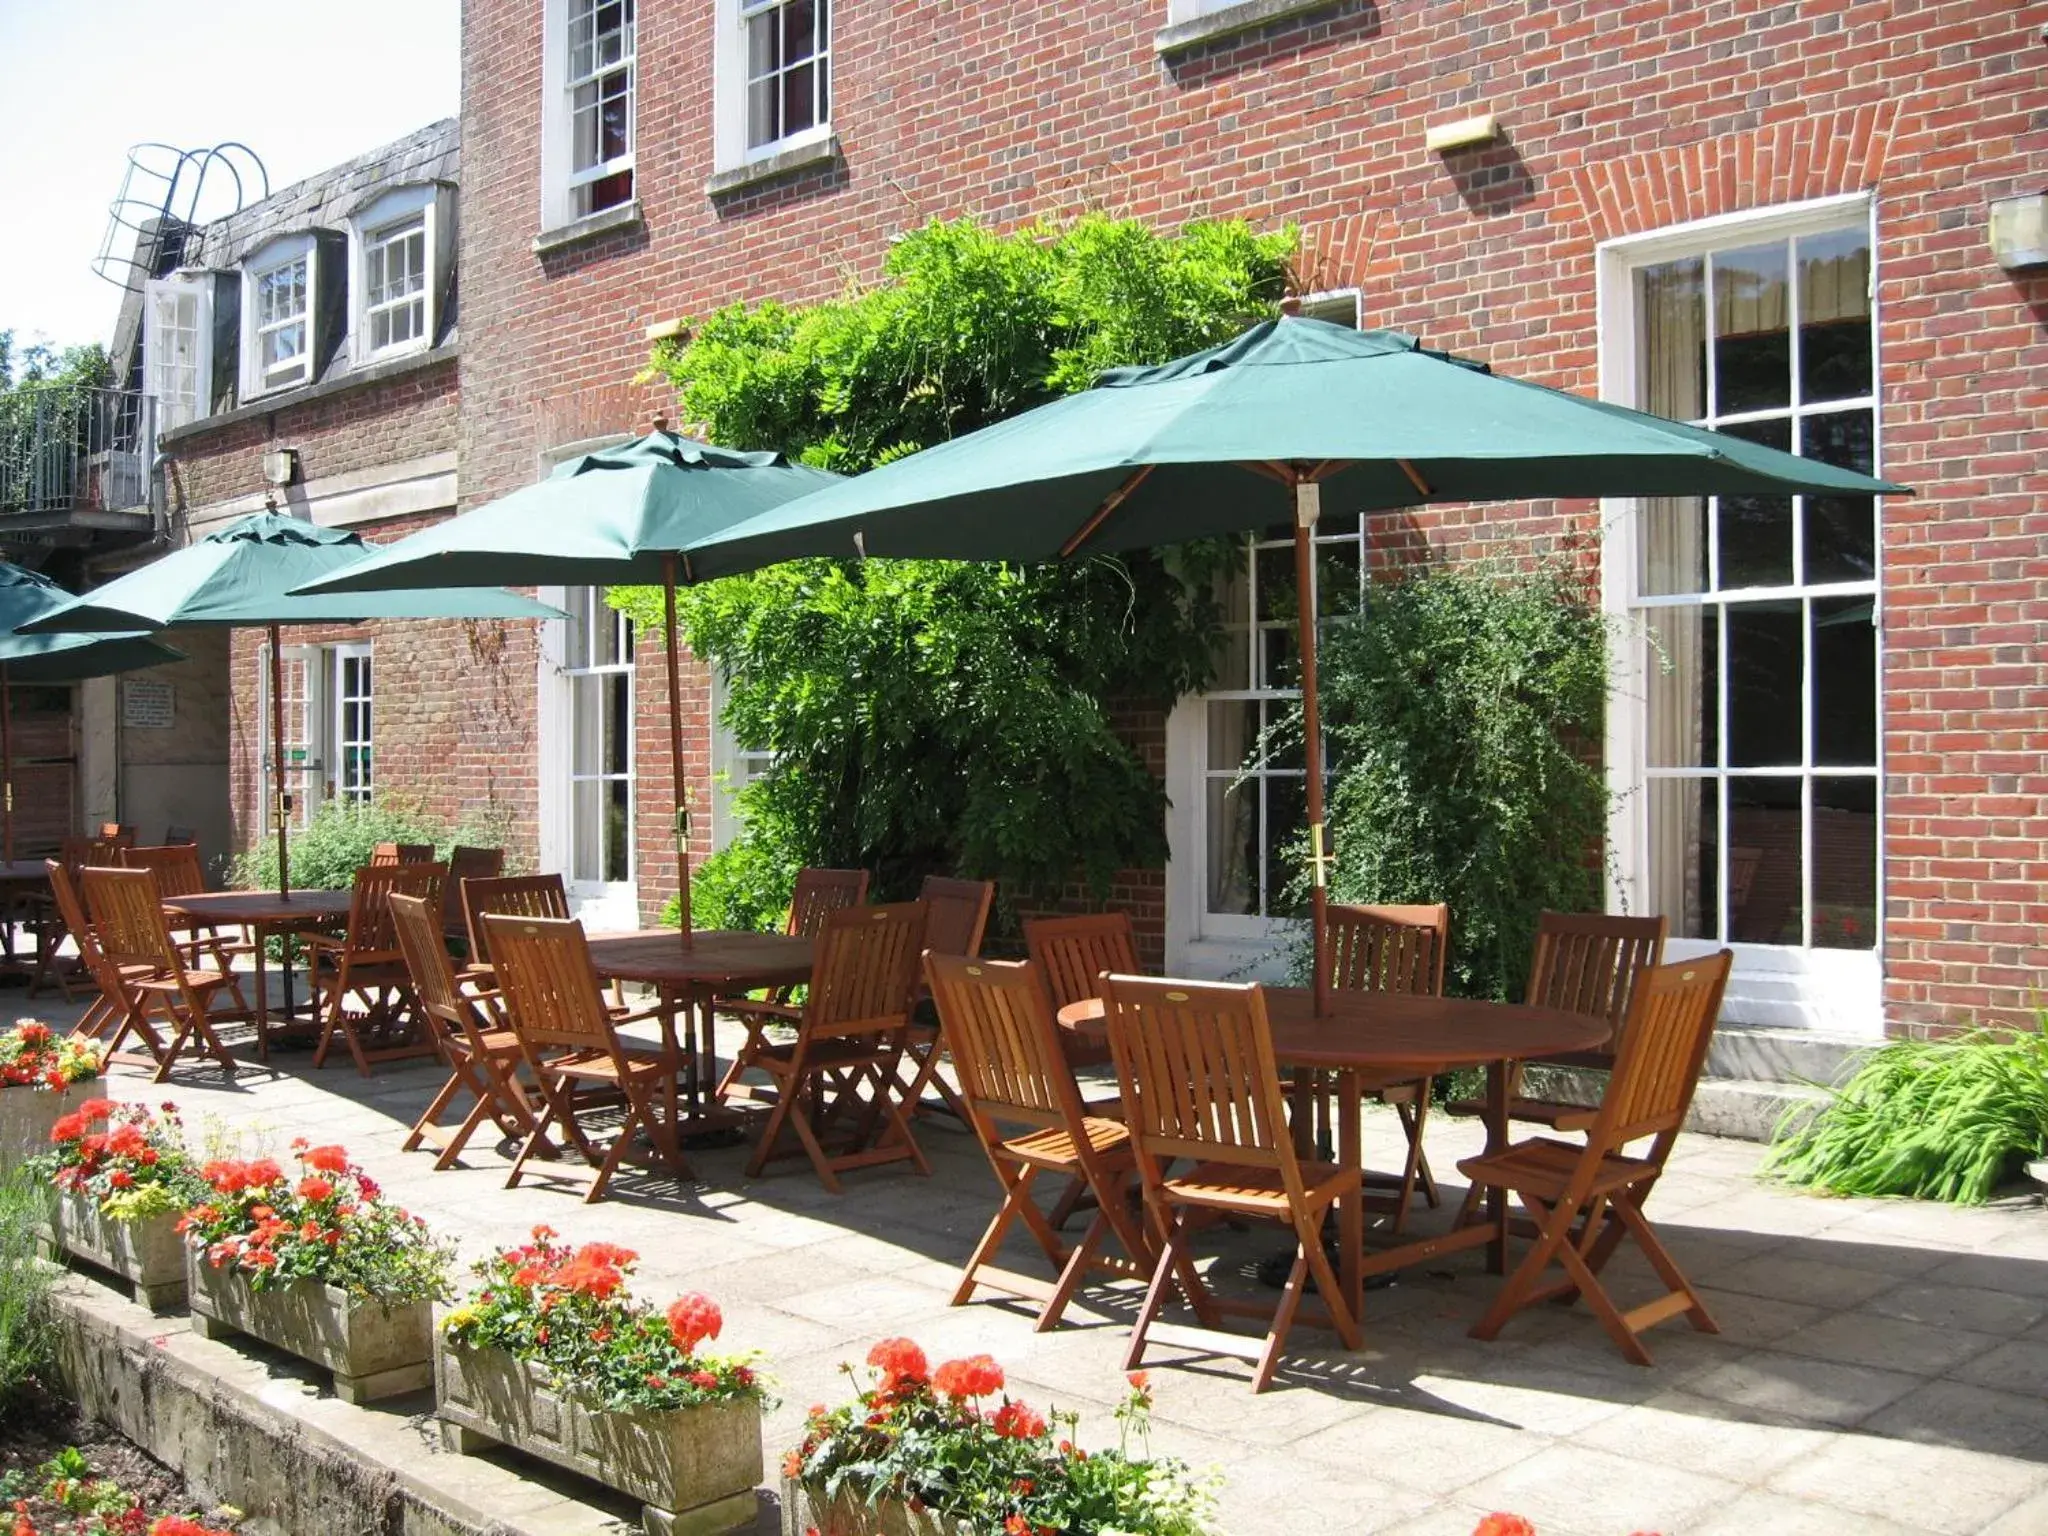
(1197, 30)
(625, 216)
(796, 158)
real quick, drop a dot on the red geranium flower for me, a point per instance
(1498, 1524)
(1014, 1421)
(325, 1159)
(692, 1319)
(588, 1276)
(315, 1188)
(900, 1361)
(260, 1172)
(977, 1376)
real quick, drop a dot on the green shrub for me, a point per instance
(1940, 1119)
(1458, 707)
(340, 838)
(28, 1334)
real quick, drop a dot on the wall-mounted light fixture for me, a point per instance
(2019, 231)
(1466, 133)
(280, 466)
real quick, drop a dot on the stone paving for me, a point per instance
(1881, 1366)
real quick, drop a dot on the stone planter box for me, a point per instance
(374, 1351)
(148, 1254)
(805, 1508)
(26, 1115)
(2038, 1171)
(693, 1470)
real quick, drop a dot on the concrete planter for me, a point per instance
(806, 1508)
(374, 1351)
(694, 1470)
(148, 1254)
(26, 1115)
(2037, 1170)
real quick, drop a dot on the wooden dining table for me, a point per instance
(264, 913)
(686, 977)
(19, 879)
(1378, 1035)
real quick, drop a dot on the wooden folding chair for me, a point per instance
(959, 918)
(466, 863)
(120, 833)
(557, 1009)
(110, 1007)
(1389, 949)
(1195, 1061)
(49, 923)
(849, 1038)
(177, 834)
(1586, 1198)
(818, 894)
(508, 896)
(365, 963)
(483, 1056)
(178, 874)
(1588, 963)
(402, 853)
(1071, 954)
(127, 912)
(1005, 1046)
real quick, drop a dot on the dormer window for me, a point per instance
(395, 283)
(400, 253)
(279, 285)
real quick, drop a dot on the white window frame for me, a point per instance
(1836, 991)
(339, 786)
(199, 289)
(429, 204)
(560, 178)
(272, 258)
(730, 69)
(313, 734)
(601, 904)
(733, 768)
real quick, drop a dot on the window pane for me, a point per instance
(797, 111)
(1337, 576)
(1756, 531)
(1277, 649)
(1233, 732)
(762, 119)
(587, 811)
(587, 755)
(1671, 304)
(1841, 531)
(1233, 845)
(1844, 693)
(764, 45)
(1275, 575)
(1765, 697)
(1764, 861)
(1286, 825)
(1752, 345)
(1845, 863)
(1685, 854)
(799, 31)
(1685, 688)
(1834, 316)
(1672, 535)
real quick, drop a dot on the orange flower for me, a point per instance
(1498, 1524)
(692, 1319)
(900, 1361)
(588, 1276)
(313, 1188)
(1014, 1421)
(977, 1376)
(325, 1159)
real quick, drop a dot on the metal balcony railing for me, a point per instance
(70, 448)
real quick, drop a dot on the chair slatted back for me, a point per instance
(466, 863)
(426, 958)
(552, 992)
(1195, 1063)
(821, 892)
(1388, 948)
(370, 934)
(177, 834)
(1591, 963)
(866, 969)
(75, 853)
(1071, 953)
(402, 853)
(128, 915)
(999, 1027)
(176, 865)
(509, 896)
(1663, 1049)
(959, 914)
(71, 908)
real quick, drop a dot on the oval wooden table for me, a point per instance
(686, 977)
(1380, 1034)
(264, 913)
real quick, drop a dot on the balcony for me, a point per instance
(76, 459)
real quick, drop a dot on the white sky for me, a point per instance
(304, 83)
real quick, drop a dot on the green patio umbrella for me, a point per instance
(623, 515)
(241, 577)
(26, 595)
(1291, 419)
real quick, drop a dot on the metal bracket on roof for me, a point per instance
(167, 194)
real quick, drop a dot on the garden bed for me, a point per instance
(35, 1433)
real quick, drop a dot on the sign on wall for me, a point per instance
(148, 705)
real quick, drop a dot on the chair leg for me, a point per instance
(1163, 1274)
(1514, 1293)
(1071, 1275)
(1016, 1195)
(1660, 1259)
(430, 1116)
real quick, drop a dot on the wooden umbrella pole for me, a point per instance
(7, 761)
(281, 800)
(1308, 505)
(675, 740)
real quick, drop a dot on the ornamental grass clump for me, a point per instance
(953, 1442)
(568, 1311)
(1936, 1119)
(32, 1055)
(128, 1159)
(328, 1222)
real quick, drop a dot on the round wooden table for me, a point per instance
(264, 913)
(686, 977)
(20, 878)
(1384, 1034)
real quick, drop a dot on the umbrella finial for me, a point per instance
(661, 421)
(1290, 306)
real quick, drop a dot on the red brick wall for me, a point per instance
(1617, 119)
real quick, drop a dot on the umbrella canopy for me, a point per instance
(1293, 418)
(1190, 450)
(242, 576)
(627, 514)
(610, 518)
(26, 595)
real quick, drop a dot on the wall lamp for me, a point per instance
(2019, 231)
